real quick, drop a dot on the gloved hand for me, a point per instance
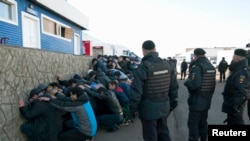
(173, 105)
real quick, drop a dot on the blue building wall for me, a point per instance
(53, 43)
(48, 42)
(13, 32)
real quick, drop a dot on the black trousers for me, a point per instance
(155, 130)
(70, 133)
(197, 125)
(183, 74)
(248, 109)
(222, 76)
(73, 135)
(235, 118)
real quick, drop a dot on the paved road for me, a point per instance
(177, 121)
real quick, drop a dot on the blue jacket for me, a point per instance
(81, 111)
(126, 88)
(121, 95)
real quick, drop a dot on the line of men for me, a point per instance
(154, 94)
(71, 109)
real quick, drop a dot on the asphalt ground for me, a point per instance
(177, 120)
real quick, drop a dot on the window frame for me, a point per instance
(125, 52)
(14, 12)
(58, 28)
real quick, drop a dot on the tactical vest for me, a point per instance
(208, 77)
(157, 85)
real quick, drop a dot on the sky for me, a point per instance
(173, 25)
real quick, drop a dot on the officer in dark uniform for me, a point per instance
(223, 66)
(184, 67)
(200, 85)
(235, 92)
(154, 93)
(248, 103)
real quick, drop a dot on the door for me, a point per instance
(30, 30)
(97, 50)
(77, 48)
(86, 47)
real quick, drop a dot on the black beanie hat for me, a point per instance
(42, 87)
(33, 92)
(148, 45)
(199, 51)
(240, 52)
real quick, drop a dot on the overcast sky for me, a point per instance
(172, 24)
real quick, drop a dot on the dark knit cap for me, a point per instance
(148, 45)
(54, 84)
(240, 52)
(72, 80)
(199, 51)
(33, 92)
(77, 76)
(42, 87)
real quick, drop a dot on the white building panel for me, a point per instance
(71, 13)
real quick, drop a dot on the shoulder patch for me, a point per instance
(192, 76)
(242, 79)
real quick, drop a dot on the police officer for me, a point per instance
(184, 67)
(248, 103)
(200, 85)
(154, 92)
(236, 88)
(223, 66)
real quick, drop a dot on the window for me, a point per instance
(55, 28)
(49, 26)
(8, 11)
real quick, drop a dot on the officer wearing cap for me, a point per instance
(154, 92)
(235, 92)
(200, 85)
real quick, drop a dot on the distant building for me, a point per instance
(52, 25)
(95, 47)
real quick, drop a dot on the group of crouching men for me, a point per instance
(72, 110)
